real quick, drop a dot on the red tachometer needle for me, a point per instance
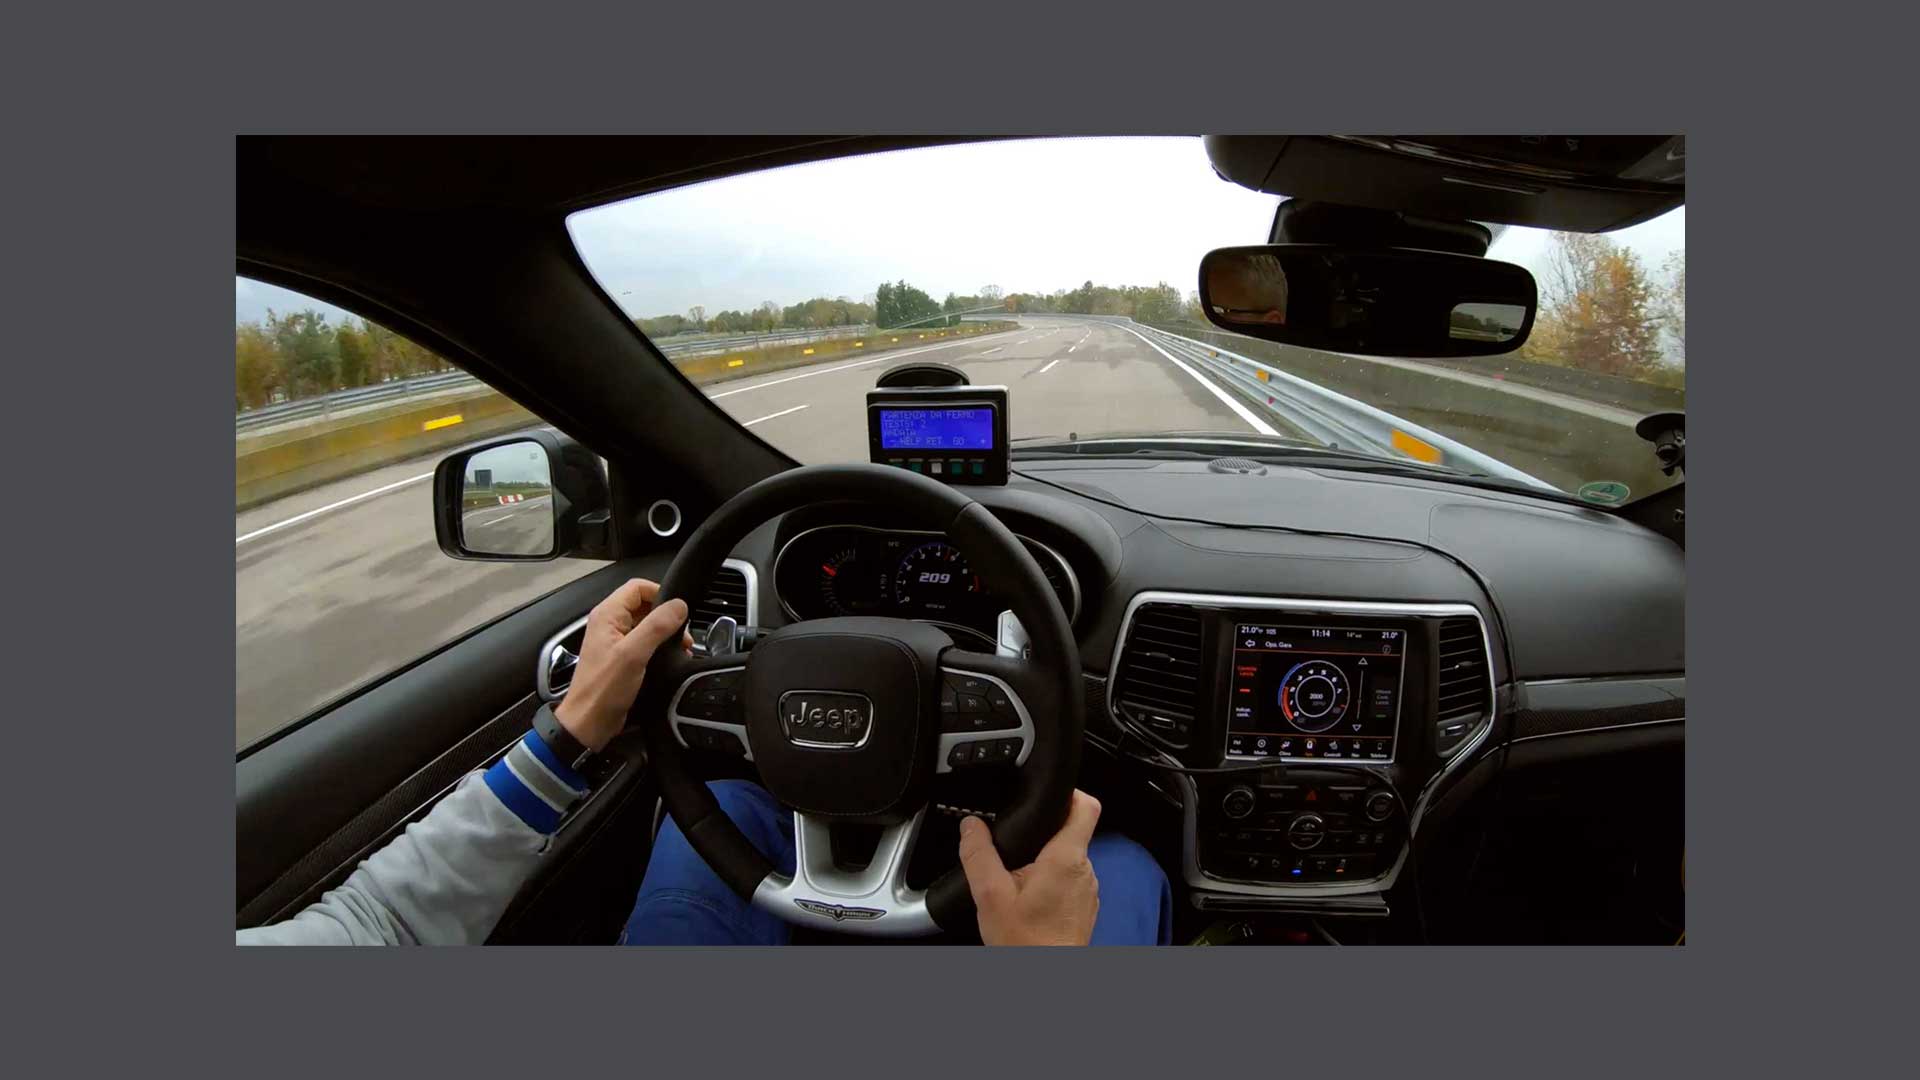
(828, 570)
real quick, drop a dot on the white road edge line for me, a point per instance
(1049, 366)
(1239, 410)
(770, 416)
(298, 518)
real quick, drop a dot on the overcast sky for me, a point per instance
(1032, 216)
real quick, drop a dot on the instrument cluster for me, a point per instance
(861, 570)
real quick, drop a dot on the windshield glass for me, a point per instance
(1064, 269)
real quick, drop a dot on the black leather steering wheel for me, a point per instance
(848, 719)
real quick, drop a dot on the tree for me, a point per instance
(990, 294)
(256, 366)
(356, 360)
(697, 315)
(307, 347)
(1673, 305)
(1597, 311)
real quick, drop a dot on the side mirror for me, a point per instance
(1369, 301)
(529, 498)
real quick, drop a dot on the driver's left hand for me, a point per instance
(622, 633)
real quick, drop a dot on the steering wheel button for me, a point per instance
(961, 754)
(972, 703)
(970, 684)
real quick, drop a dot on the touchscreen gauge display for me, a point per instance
(1315, 693)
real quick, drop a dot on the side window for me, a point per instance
(338, 423)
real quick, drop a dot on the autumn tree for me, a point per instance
(256, 366)
(1598, 308)
(355, 358)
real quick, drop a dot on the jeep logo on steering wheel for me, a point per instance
(826, 719)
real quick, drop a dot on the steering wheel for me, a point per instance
(849, 719)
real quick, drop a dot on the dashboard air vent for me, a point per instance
(1464, 682)
(1158, 682)
(727, 595)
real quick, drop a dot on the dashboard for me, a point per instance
(1324, 662)
(845, 569)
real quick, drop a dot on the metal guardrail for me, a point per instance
(404, 389)
(1326, 415)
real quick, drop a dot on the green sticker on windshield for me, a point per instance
(1604, 492)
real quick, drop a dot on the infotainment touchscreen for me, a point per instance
(1301, 692)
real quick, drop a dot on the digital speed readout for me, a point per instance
(1315, 693)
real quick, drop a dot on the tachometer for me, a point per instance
(1314, 696)
(851, 585)
(933, 579)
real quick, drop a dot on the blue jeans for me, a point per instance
(682, 902)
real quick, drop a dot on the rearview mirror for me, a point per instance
(534, 496)
(1369, 301)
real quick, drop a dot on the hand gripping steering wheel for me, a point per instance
(848, 719)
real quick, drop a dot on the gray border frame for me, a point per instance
(132, 184)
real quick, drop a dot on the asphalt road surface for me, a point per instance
(520, 528)
(342, 584)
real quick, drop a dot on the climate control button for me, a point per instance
(1306, 832)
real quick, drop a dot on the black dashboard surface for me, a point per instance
(1575, 592)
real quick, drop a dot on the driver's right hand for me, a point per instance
(1051, 901)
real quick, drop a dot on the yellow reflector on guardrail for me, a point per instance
(857, 344)
(736, 361)
(441, 421)
(1261, 374)
(806, 352)
(1414, 448)
(893, 339)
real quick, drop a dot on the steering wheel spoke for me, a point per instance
(985, 718)
(875, 899)
(703, 709)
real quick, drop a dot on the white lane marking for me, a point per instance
(1239, 410)
(993, 350)
(837, 367)
(298, 518)
(491, 520)
(770, 416)
(1050, 364)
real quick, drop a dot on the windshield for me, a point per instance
(1064, 269)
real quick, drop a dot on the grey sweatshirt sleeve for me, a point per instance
(448, 878)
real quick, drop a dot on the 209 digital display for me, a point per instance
(1315, 693)
(936, 429)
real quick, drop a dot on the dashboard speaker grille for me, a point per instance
(727, 595)
(1158, 682)
(1464, 682)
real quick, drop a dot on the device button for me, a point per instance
(1237, 803)
(1380, 806)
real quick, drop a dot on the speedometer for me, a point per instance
(934, 579)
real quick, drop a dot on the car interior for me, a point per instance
(1339, 702)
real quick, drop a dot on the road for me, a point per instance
(341, 584)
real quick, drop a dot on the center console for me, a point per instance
(1314, 731)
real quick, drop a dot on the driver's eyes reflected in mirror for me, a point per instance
(1486, 322)
(1249, 290)
(506, 501)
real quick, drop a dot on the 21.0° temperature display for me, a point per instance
(1315, 693)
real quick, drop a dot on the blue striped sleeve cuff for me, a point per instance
(534, 784)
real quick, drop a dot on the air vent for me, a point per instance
(1464, 685)
(1158, 684)
(726, 596)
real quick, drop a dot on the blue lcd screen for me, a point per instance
(936, 429)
